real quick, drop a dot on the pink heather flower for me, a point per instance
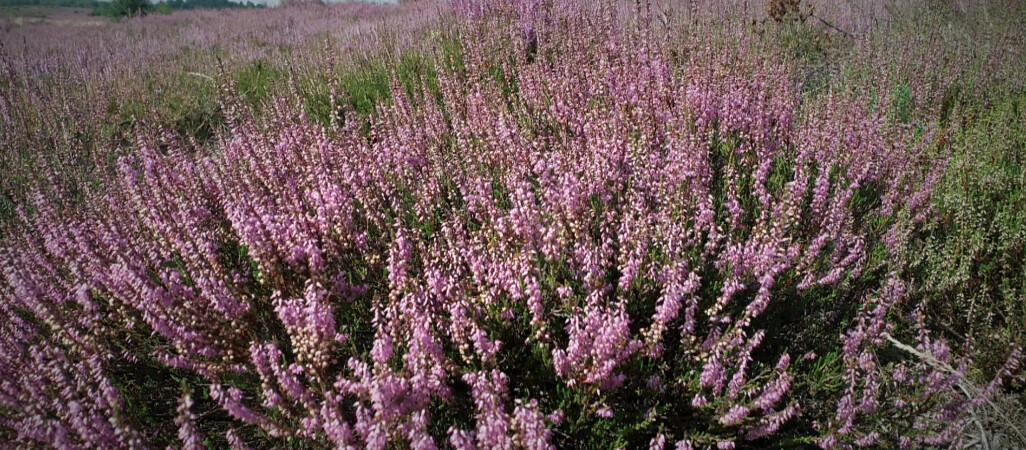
(493, 423)
(867, 440)
(773, 391)
(382, 351)
(734, 415)
(234, 441)
(699, 401)
(658, 442)
(599, 340)
(655, 383)
(771, 422)
(713, 374)
(556, 417)
(529, 426)
(188, 433)
(827, 442)
(461, 439)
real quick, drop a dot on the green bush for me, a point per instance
(971, 264)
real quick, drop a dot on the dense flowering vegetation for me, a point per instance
(517, 224)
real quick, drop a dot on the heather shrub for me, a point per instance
(550, 228)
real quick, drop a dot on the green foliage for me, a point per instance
(971, 264)
(186, 105)
(365, 86)
(362, 87)
(415, 70)
(903, 103)
(804, 40)
(256, 81)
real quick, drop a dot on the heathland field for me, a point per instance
(514, 224)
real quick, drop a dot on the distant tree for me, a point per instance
(64, 3)
(120, 9)
(135, 7)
